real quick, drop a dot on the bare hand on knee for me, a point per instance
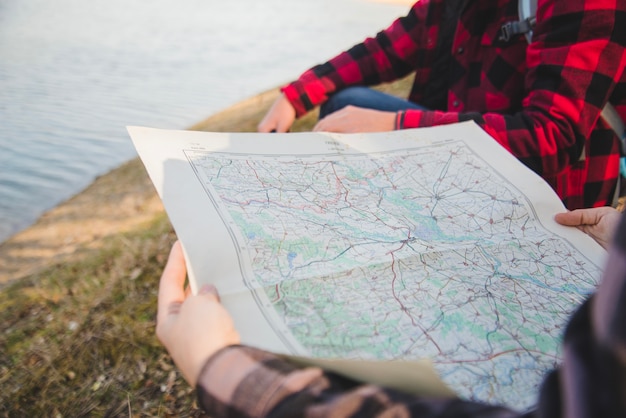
(352, 119)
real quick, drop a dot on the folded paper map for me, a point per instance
(423, 246)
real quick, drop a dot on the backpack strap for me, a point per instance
(512, 29)
(526, 11)
(610, 115)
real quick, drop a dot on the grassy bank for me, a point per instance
(77, 338)
(78, 297)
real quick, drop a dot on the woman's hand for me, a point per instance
(599, 223)
(191, 327)
(352, 119)
(279, 117)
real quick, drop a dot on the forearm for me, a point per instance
(259, 384)
(388, 56)
(251, 381)
(537, 142)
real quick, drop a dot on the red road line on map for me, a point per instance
(493, 356)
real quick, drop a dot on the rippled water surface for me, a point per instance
(74, 73)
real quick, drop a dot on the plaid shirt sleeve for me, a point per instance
(390, 55)
(241, 381)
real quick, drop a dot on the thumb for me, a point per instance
(209, 289)
(284, 125)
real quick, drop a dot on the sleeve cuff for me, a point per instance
(291, 93)
(399, 124)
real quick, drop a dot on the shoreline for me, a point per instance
(116, 202)
(113, 203)
(123, 199)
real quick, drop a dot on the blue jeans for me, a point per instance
(367, 98)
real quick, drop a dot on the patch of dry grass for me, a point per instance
(77, 339)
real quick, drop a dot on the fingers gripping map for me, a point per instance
(419, 244)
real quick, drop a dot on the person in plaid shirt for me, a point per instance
(233, 380)
(541, 101)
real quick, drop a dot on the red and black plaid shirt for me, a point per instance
(541, 101)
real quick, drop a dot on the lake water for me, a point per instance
(74, 73)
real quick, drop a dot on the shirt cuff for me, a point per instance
(248, 380)
(399, 124)
(301, 104)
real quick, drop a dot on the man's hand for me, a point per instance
(352, 119)
(599, 223)
(279, 118)
(192, 328)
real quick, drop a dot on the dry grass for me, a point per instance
(77, 339)
(77, 320)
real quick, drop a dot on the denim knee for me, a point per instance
(366, 98)
(355, 96)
